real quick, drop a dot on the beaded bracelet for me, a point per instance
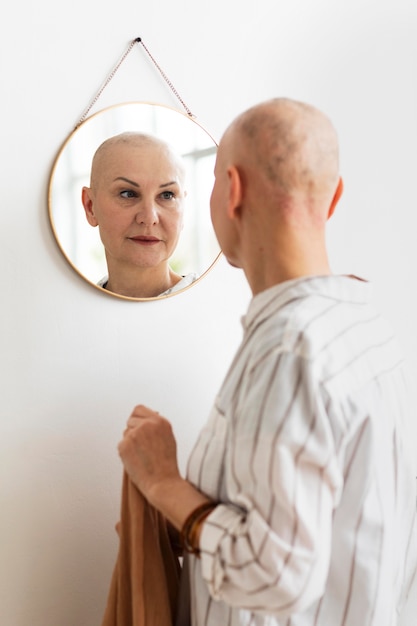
(191, 526)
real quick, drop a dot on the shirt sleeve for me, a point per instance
(267, 549)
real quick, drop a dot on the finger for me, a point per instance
(134, 422)
(143, 411)
(122, 446)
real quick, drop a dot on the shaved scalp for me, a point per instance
(292, 145)
(134, 140)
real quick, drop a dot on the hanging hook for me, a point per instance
(113, 72)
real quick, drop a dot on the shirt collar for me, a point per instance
(346, 288)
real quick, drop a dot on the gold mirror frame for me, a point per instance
(198, 249)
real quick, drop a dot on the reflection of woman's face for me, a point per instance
(136, 199)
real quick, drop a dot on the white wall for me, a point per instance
(74, 362)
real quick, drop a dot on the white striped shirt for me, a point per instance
(308, 451)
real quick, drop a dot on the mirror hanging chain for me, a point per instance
(117, 66)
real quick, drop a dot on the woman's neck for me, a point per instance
(142, 282)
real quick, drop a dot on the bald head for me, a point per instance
(290, 146)
(276, 184)
(109, 151)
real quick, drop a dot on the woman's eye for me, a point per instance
(167, 195)
(128, 193)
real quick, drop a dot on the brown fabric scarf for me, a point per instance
(145, 582)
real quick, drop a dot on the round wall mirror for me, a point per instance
(197, 249)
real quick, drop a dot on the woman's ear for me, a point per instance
(336, 198)
(235, 192)
(87, 200)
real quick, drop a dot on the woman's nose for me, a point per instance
(147, 213)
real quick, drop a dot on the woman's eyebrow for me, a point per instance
(131, 182)
(126, 180)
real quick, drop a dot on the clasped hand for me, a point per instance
(149, 452)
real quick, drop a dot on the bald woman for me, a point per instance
(299, 503)
(136, 199)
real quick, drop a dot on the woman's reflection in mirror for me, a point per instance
(136, 198)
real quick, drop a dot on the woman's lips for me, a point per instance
(144, 240)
